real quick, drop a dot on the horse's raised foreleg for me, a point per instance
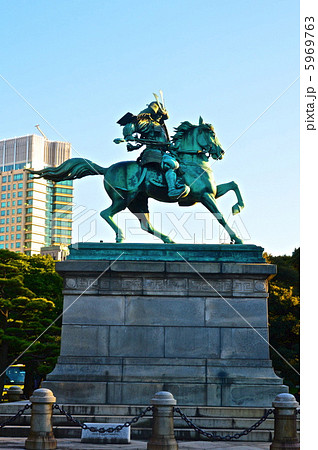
(231, 186)
(139, 207)
(118, 205)
(209, 202)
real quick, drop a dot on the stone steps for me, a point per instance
(140, 433)
(223, 421)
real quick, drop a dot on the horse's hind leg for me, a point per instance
(139, 207)
(118, 205)
(231, 186)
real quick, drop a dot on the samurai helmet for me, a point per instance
(157, 107)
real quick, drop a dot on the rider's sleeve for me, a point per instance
(143, 126)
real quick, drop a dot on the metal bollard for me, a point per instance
(14, 394)
(285, 427)
(162, 426)
(41, 435)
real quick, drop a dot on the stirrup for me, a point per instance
(179, 192)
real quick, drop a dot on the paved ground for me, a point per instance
(75, 444)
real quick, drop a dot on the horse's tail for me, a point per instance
(70, 170)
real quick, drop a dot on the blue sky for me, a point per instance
(82, 65)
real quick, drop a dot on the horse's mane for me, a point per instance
(185, 127)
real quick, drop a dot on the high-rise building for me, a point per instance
(34, 212)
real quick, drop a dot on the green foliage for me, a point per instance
(30, 301)
(284, 317)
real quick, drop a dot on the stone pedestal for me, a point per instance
(188, 319)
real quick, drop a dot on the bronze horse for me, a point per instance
(129, 185)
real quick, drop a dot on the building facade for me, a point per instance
(34, 212)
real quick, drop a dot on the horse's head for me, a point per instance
(191, 138)
(208, 141)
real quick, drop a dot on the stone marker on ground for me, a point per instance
(116, 437)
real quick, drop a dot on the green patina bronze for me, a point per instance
(168, 170)
(206, 253)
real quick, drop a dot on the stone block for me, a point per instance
(185, 342)
(115, 437)
(135, 341)
(165, 286)
(137, 266)
(250, 395)
(132, 393)
(246, 343)
(234, 312)
(172, 373)
(164, 311)
(210, 287)
(88, 392)
(250, 288)
(183, 267)
(93, 310)
(85, 340)
(256, 269)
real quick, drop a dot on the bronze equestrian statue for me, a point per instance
(130, 184)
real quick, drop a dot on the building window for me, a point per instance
(18, 176)
(19, 211)
(20, 194)
(4, 179)
(59, 198)
(4, 188)
(18, 245)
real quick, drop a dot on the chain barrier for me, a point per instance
(216, 437)
(18, 414)
(101, 430)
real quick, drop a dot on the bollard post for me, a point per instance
(41, 433)
(162, 437)
(285, 426)
(14, 394)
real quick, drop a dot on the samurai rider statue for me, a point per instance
(148, 129)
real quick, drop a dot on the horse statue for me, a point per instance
(129, 185)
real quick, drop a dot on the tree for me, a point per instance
(30, 301)
(284, 317)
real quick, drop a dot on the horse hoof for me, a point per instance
(120, 240)
(236, 209)
(167, 240)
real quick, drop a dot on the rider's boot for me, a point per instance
(174, 191)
